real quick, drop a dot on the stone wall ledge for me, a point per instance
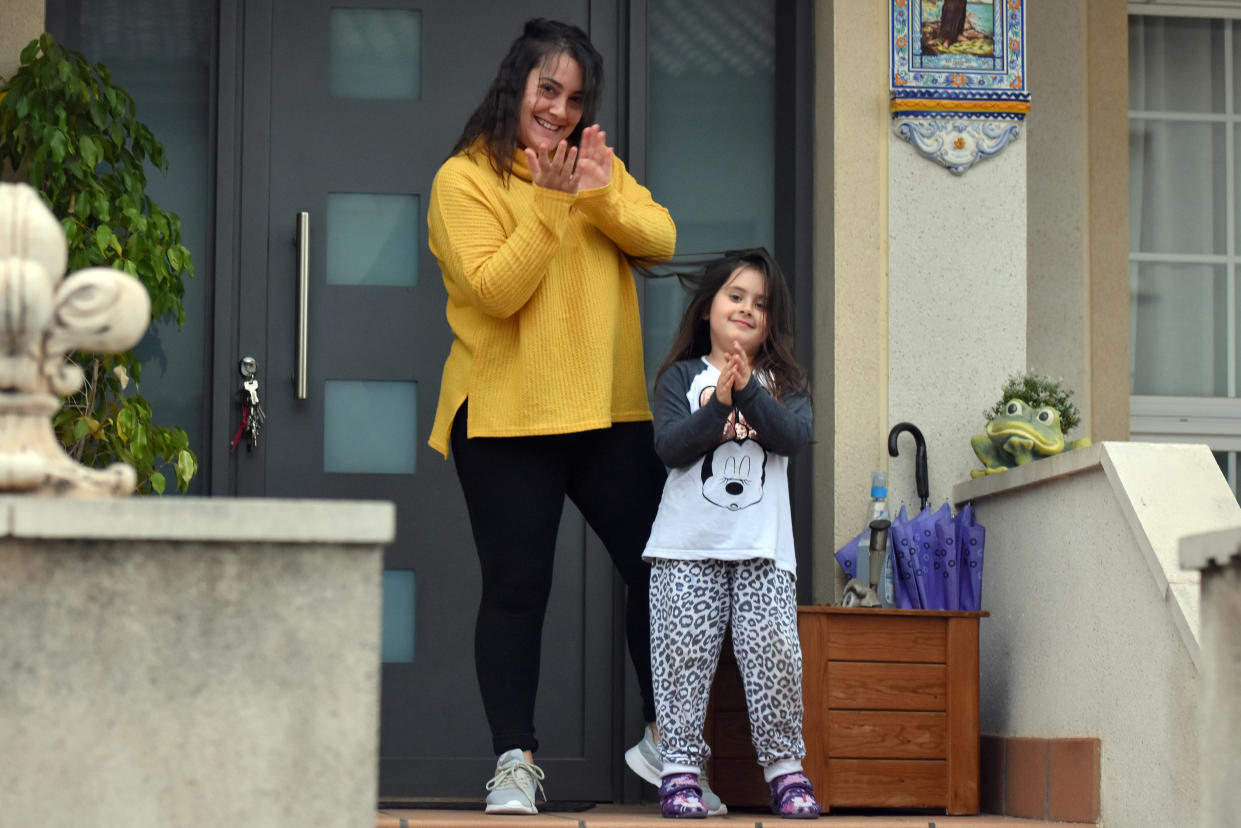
(200, 519)
(1094, 624)
(1164, 492)
(1219, 548)
(1033, 474)
(178, 660)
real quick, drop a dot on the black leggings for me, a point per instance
(515, 489)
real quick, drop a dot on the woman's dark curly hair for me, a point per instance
(497, 120)
(775, 360)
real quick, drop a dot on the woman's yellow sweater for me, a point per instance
(541, 300)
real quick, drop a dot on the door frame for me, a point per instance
(242, 127)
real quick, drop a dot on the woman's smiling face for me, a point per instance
(552, 104)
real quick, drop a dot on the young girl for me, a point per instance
(731, 406)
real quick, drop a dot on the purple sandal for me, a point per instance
(680, 797)
(792, 797)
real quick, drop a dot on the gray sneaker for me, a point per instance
(643, 759)
(512, 789)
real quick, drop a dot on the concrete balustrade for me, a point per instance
(190, 661)
(1094, 629)
(1217, 557)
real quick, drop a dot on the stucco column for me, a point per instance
(1078, 189)
(851, 148)
(1217, 555)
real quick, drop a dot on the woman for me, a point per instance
(534, 220)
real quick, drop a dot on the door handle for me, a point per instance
(303, 302)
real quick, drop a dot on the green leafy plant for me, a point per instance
(1038, 391)
(73, 134)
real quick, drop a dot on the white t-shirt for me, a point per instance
(731, 503)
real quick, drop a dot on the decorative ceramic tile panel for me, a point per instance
(955, 64)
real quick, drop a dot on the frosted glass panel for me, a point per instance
(1179, 335)
(370, 427)
(711, 141)
(1176, 65)
(1176, 193)
(372, 239)
(376, 53)
(398, 615)
(712, 105)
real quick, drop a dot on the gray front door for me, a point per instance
(348, 109)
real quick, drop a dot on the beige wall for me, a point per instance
(23, 22)
(1076, 181)
(1107, 188)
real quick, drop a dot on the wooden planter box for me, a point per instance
(891, 712)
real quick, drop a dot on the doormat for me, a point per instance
(555, 806)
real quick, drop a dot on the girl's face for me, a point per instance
(739, 312)
(552, 104)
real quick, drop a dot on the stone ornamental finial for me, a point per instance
(43, 317)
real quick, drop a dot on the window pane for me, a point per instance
(711, 137)
(398, 615)
(712, 109)
(376, 53)
(369, 427)
(1176, 188)
(1180, 329)
(1235, 32)
(1176, 64)
(372, 239)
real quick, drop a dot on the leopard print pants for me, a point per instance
(692, 603)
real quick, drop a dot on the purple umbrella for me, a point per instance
(947, 563)
(907, 538)
(900, 540)
(925, 527)
(938, 556)
(846, 555)
(972, 538)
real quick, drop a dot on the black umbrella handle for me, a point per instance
(920, 472)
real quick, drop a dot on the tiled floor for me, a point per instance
(647, 816)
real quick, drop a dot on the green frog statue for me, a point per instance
(1028, 423)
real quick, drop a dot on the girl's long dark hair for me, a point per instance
(497, 120)
(775, 360)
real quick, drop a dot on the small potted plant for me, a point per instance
(1028, 423)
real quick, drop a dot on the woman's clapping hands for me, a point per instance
(554, 171)
(594, 159)
(570, 169)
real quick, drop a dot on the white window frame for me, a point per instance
(1215, 421)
